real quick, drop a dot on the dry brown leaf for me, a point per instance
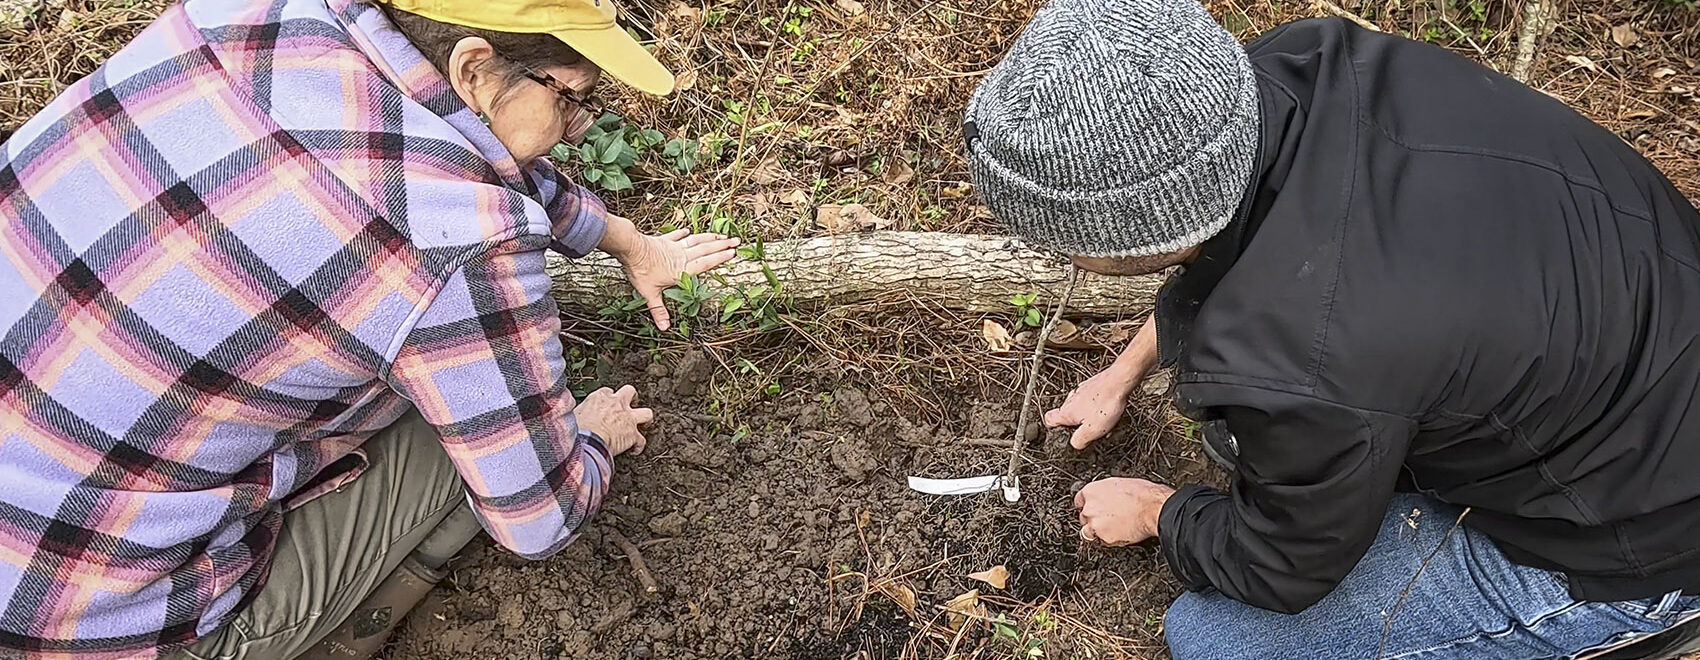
(1625, 35)
(900, 594)
(954, 191)
(1641, 114)
(841, 219)
(1068, 335)
(1664, 73)
(997, 338)
(1119, 332)
(838, 158)
(898, 173)
(765, 173)
(849, 7)
(997, 576)
(684, 81)
(685, 13)
(1582, 61)
(962, 608)
(756, 202)
(798, 197)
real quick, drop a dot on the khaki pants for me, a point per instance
(334, 550)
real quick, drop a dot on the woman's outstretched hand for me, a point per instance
(654, 263)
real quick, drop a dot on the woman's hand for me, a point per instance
(654, 263)
(610, 416)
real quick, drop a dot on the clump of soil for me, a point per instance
(758, 539)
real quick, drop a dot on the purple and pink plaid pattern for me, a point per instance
(247, 242)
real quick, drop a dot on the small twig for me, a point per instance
(1529, 39)
(1387, 625)
(650, 589)
(989, 442)
(1337, 10)
(1033, 375)
(1467, 38)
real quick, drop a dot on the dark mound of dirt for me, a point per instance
(758, 527)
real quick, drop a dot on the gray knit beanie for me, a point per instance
(1116, 128)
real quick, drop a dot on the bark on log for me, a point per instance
(973, 273)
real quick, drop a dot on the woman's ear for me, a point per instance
(470, 73)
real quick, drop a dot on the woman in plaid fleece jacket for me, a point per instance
(246, 250)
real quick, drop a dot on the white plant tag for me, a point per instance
(963, 486)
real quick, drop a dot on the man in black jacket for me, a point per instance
(1452, 326)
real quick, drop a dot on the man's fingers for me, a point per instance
(676, 234)
(626, 394)
(1060, 417)
(637, 447)
(658, 310)
(1083, 436)
(641, 416)
(1086, 533)
(1080, 500)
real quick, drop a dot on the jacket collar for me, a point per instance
(1186, 290)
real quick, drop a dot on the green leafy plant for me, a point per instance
(1025, 309)
(682, 153)
(690, 295)
(624, 310)
(610, 147)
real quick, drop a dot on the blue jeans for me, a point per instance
(1469, 602)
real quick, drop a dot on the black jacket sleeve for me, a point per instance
(1313, 485)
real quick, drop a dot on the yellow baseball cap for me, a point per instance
(586, 25)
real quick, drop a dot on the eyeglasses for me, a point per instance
(585, 107)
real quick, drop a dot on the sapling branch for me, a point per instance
(1025, 417)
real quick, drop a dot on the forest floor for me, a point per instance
(770, 508)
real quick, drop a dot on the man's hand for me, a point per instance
(1120, 511)
(1097, 404)
(1094, 407)
(610, 415)
(654, 263)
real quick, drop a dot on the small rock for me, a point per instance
(754, 510)
(641, 652)
(672, 524)
(658, 370)
(1158, 383)
(854, 459)
(693, 373)
(853, 406)
(661, 630)
(770, 542)
(1032, 432)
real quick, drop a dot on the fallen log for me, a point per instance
(965, 272)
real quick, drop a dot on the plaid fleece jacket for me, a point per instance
(251, 239)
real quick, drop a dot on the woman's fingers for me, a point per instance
(711, 247)
(703, 264)
(657, 309)
(697, 239)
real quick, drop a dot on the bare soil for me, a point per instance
(761, 543)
